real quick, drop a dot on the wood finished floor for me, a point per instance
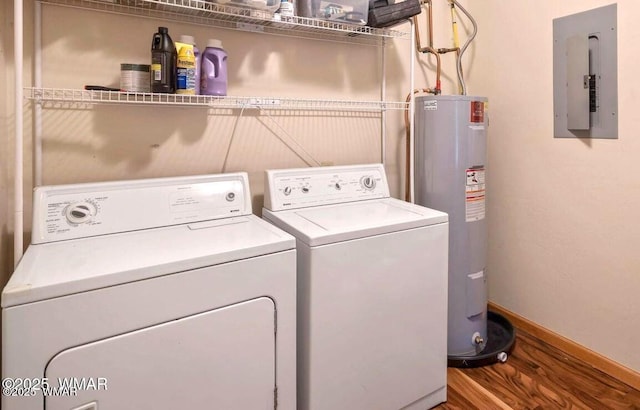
(537, 376)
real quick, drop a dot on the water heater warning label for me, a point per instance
(477, 111)
(474, 195)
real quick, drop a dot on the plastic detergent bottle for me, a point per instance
(214, 69)
(186, 72)
(163, 62)
(191, 41)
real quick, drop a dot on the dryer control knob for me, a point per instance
(287, 190)
(80, 212)
(368, 183)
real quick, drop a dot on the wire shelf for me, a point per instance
(208, 13)
(62, 98)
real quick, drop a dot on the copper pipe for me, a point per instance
(429, 48)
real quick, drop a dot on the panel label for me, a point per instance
(475, 194)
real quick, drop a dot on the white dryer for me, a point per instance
(372, 289)
(151, 294)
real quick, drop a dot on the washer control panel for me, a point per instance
(74, 211)
(305, 187)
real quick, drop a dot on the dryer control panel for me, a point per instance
(306, 187)
(75, 211)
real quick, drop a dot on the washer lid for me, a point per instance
(335, 223)
(62, 268)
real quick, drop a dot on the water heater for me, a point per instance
(450, 170)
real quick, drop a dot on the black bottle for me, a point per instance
(163, 62)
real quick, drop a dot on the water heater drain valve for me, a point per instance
(502, 357)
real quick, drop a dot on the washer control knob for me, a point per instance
(368, 183)
(287, 190)
(231, 196)
(305, 189)
(338, 186)
(80, 212)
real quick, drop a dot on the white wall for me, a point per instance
(563, 213)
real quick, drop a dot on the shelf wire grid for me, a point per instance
(61, 97)
(239, 18)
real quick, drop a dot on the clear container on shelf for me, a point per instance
(264, 5)
(342, 11)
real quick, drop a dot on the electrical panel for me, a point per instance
(585, 74)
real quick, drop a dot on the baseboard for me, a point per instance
(608, 366)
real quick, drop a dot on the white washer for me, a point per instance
(372, 289)
(168, 292)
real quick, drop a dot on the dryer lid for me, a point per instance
(335, 223)
(62, 268)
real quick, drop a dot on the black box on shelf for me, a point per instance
(385, 13)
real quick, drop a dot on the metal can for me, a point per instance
(135, 78)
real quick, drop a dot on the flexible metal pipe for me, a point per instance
(456, 43)
(464, 47)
